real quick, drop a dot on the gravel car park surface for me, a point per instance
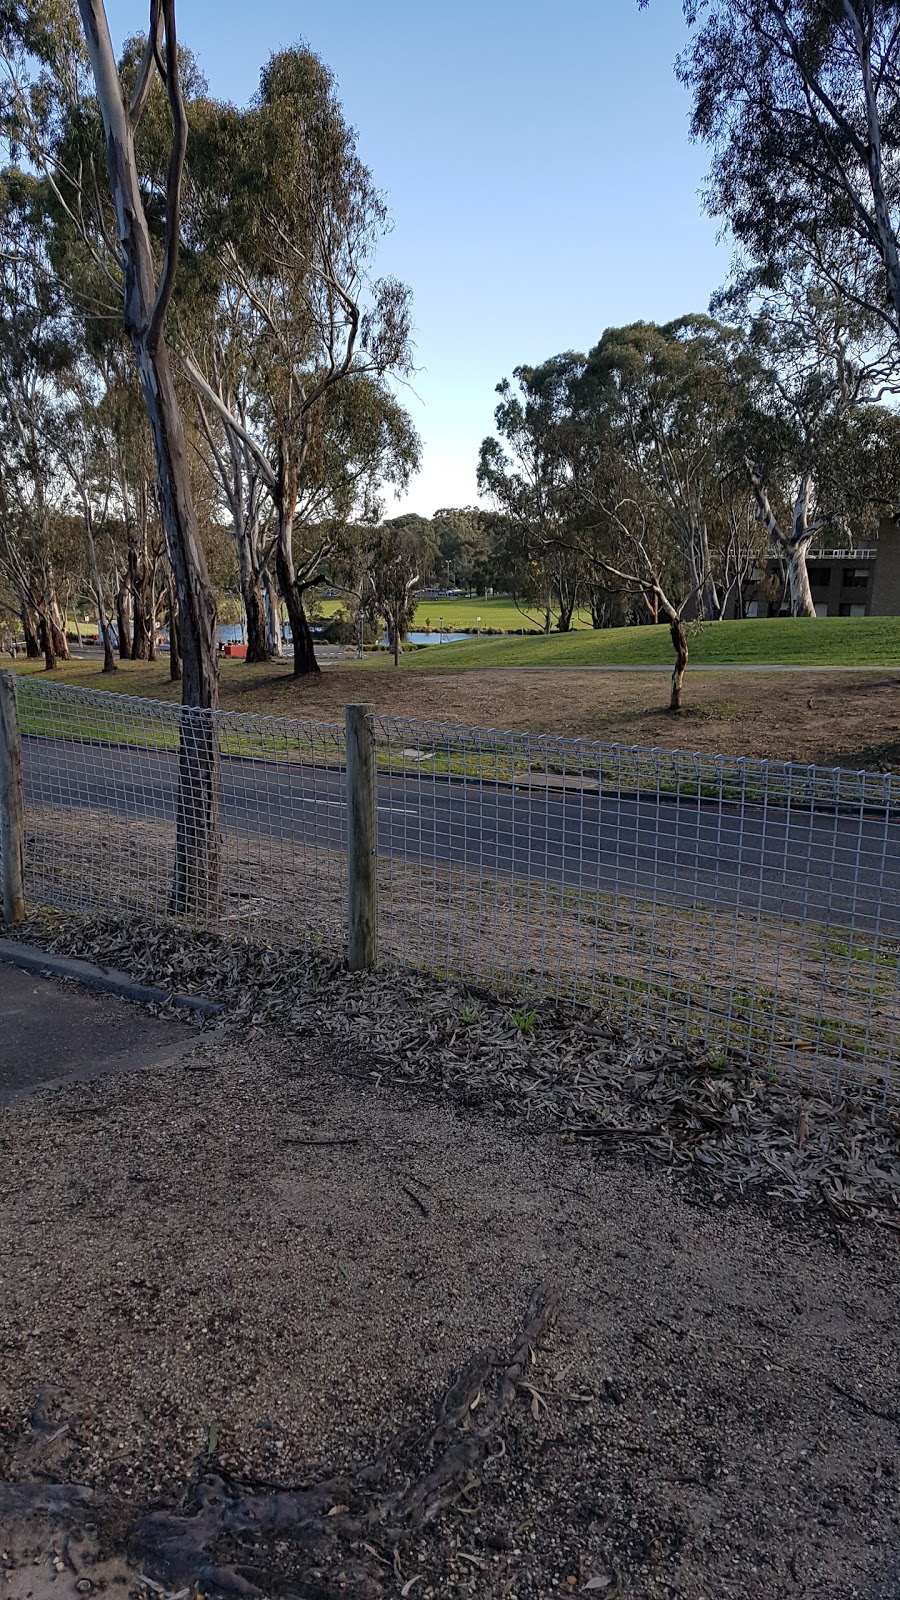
(257, 1264)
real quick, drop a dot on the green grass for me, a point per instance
(501, 614)
(773, 641)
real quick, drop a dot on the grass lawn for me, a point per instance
(844, 717)
(462, 615)
(772, 641)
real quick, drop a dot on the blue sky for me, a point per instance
(537, 167)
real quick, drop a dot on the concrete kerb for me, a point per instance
(104, 980)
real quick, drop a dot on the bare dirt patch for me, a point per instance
(827, 718)
(255, 1265)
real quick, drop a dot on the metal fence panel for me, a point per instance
(754, 904)
(101, 776)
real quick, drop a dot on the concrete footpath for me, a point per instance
(53, 1032)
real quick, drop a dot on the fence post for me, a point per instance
(362, 915)
(12, 805)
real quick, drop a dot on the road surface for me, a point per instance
(839, 869)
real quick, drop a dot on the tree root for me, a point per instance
(343, 1533)
(339, 1523)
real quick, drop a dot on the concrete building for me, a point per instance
(860, 582)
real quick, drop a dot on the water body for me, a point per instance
(232, 633)
(435, 638)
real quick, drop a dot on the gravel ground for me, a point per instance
(258, 1262)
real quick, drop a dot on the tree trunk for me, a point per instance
(798, 580)
(174, 640)
(195, 888)
(254, 609)
(123, 619)
(58, 629)
(679, 640)
(137, 577)
(103, 628)
(32, 641)
(109, 659)
(304, 650)
(395, 628)
(45, 633)
(274, 640)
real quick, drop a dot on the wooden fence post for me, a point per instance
(362, 910)
(12, 805)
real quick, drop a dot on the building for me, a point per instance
(862, 582)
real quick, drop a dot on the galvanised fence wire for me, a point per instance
(102, 795)
(752, 904)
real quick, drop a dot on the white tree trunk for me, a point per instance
(795, 549)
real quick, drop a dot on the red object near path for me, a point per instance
(238, 650)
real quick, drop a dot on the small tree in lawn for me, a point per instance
(401, 551)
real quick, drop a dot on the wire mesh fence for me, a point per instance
(752, 904)
(118, 789)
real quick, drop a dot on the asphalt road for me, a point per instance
(835, 868)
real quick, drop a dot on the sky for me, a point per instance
(536, 162)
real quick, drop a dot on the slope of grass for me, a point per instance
(773, 641)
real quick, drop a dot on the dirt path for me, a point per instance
(248, 1260)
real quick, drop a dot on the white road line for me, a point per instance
(393, 811)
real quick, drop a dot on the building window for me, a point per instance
(821, 610)
(856, 577)
(846, 610)
(752, 610)
(820, 577)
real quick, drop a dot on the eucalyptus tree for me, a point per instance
(625, 539)
(668, 399)
(526, 472)
(83, 446)
(238, 468)
(67, 102)
(294, 247)
(800, 103)
(821, 365)
(35, 352)
(401, 552)
(463, 547)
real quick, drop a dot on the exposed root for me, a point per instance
(344, 1532)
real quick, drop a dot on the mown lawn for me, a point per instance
(463, 615)
(772, 641)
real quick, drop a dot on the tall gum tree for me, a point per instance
(799, 101)
(35, 355)
(295, 247)
(40, 115)
(821, 365)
